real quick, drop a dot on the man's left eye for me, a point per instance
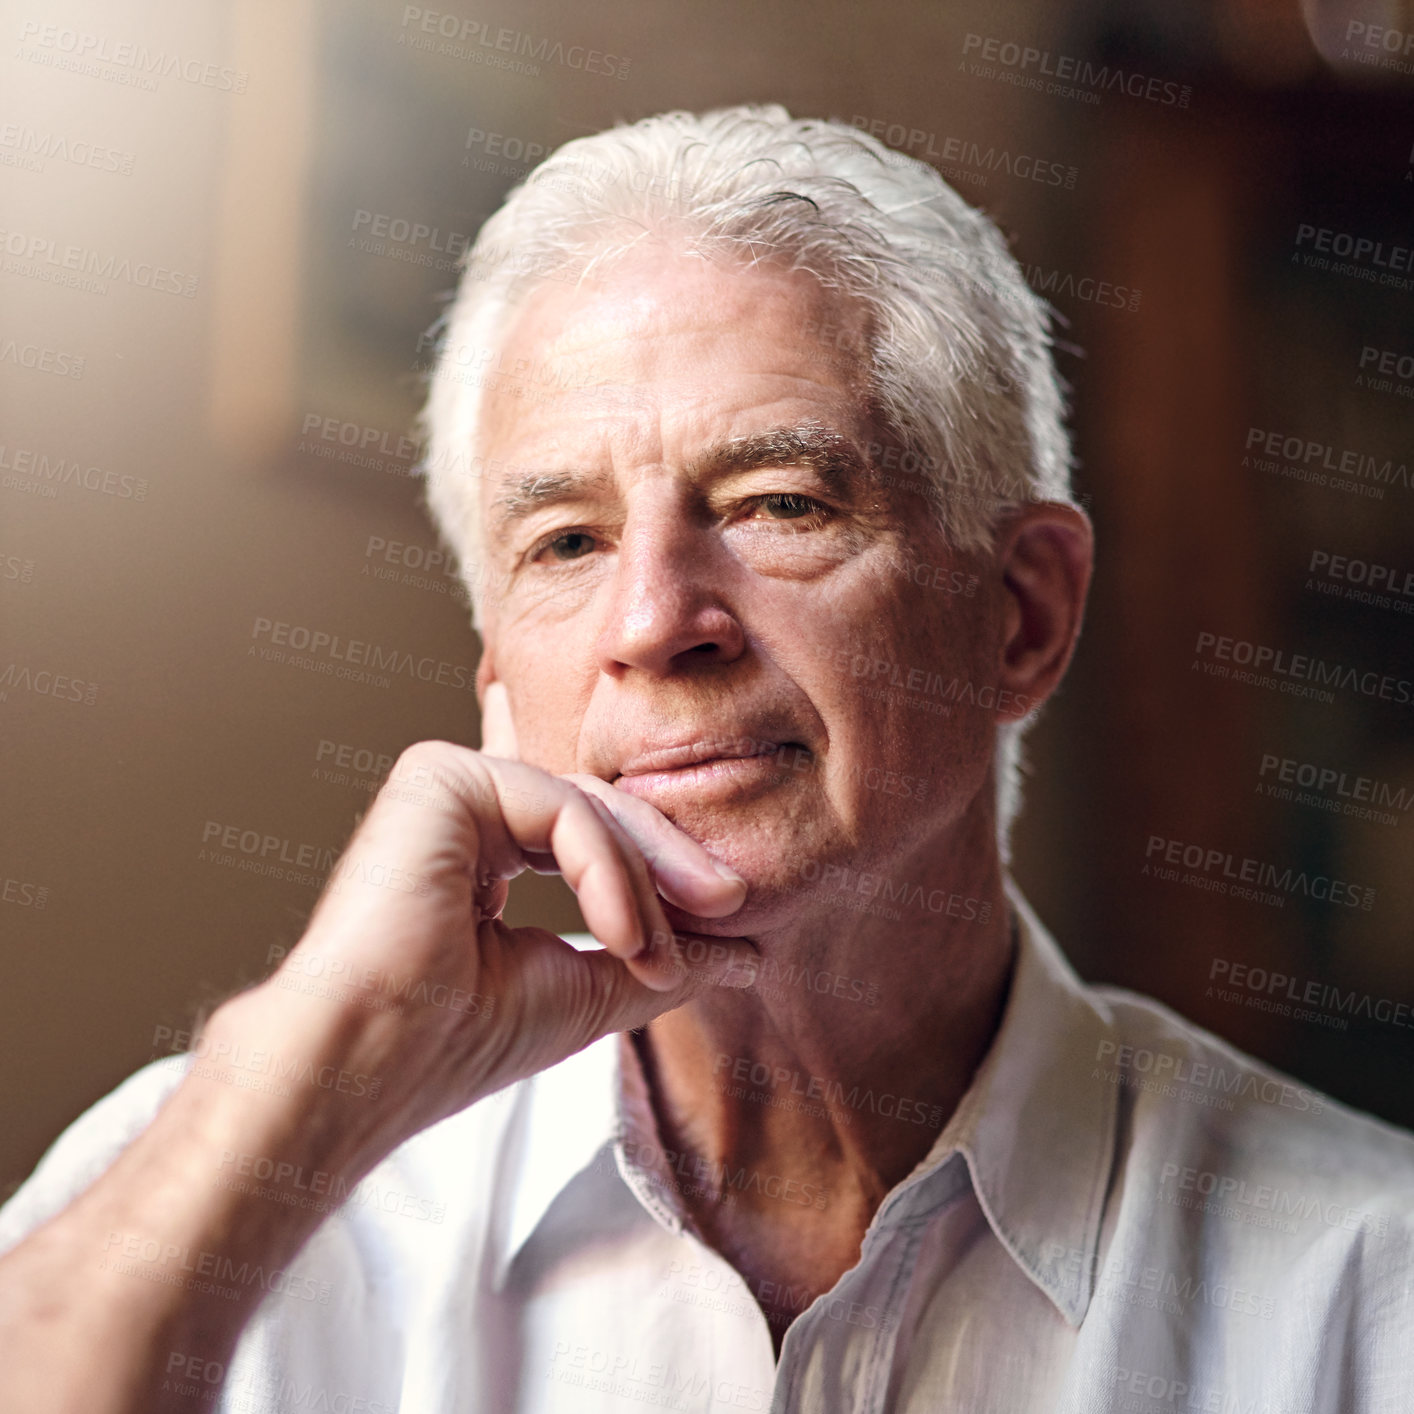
(787, 505)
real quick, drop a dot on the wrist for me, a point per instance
(285, 1079)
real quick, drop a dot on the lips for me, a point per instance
(696, 753)
(717, 768)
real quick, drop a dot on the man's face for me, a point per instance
(703, 591)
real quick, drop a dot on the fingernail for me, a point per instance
(728, 873)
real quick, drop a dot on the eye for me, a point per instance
(565, 545)
(787, 505)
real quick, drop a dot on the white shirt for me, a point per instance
(1124, 1214)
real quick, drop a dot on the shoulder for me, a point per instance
(1174, 1073)
(1227, 1154)
(455, 1171)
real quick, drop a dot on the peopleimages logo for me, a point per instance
(31, 146)
(1364, 249)
(1295, 672)
(719, 1177)
(1180, 1395)
(1069, 76)
(137, 1254)
(1328, 788)
(1086, 288)
(1268, 986)
(37, 468)
(1381, 586)
(44, 682)
(885, 675)
(42, 257)
(1363, 257)
(325, 648)
(478, 43)
(1390, 362)
(786, 1083)
(1223, 867)
(127, 61)
(961, 160)
(1139, 1067)
(41, 359)
(1376, 575)
(899, 891)
(519, 155)
(1305, 459)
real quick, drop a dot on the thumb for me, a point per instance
(700, 964)
(498, 732)
(564, 998)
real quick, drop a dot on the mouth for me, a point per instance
(718, 768)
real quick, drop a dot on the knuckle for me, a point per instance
(584, 782)
(588, 1003)
(587, 808)
(424, 764)
(431, 750)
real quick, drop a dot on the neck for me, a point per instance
(863, 1032)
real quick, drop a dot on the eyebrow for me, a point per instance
(831, 455)
(526, 494)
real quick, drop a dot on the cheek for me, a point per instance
(784, 550)
(903, 689)
(546, 707)
(890, 639)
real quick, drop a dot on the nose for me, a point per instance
(666, 612)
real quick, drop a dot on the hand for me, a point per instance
(408, 978)
(406, 1000)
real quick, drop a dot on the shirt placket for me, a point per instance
(882, 1278)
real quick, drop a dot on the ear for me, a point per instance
(498, 732)
(1045, 552)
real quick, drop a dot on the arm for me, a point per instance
(427, 1003)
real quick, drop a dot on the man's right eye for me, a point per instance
(567, 545)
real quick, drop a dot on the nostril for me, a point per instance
(703, 648)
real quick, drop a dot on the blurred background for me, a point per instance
(224, 231)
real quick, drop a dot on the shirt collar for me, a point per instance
(561, 1121)
(566, 1119)
(1037, 1133)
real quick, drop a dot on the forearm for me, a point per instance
(155, 1264)
(437, 1004)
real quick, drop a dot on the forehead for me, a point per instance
(669, 335)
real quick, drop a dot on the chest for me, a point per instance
(784, 1261)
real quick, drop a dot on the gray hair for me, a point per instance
(959, 352)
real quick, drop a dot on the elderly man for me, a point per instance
(747, 432)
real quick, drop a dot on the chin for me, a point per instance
(776, 893)
(752, 918)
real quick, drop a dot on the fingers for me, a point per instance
(498, 733)
(702, 964)
(542, 818)
(619, 1000)
(566, 998)
(465, 813)
(685, 874)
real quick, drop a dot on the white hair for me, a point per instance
(959, 350)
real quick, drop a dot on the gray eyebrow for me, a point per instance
(833, 456)
(529, 492)
(836, 459)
